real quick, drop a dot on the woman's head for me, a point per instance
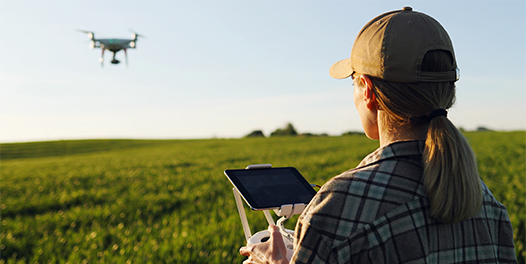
(410, 65)
(404, 71)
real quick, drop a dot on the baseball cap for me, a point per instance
(392, 46)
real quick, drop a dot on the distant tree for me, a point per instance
(256, 133)
(349, 133)
(308, 134)
(289, 130)
(483, 129)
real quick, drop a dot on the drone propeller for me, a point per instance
(90, 34)
(136, 35)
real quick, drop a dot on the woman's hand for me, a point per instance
(271, 251)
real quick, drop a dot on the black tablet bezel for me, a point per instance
(233, 176)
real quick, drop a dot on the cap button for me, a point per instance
(407, 8)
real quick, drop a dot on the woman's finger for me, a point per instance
(278, 251)
(249, 261)
(276, 237)
(245, 251)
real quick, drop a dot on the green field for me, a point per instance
(167, 201)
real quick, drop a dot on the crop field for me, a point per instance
(168, 201)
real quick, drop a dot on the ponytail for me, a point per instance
(450, 173)
(450, 169)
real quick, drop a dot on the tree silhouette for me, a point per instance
(289, 130)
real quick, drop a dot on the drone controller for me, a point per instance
(263, 236)
(287, 234)
(263, 188)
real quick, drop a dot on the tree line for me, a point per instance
(289, 130)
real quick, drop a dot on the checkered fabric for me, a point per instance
(379, 213)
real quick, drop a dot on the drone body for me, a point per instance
(113, 45)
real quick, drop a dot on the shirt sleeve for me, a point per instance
(319, 227)
(310, 246)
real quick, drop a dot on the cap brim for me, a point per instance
(341, 69)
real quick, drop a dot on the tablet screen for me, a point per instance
(270, 188)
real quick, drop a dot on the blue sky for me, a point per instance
(226, 68)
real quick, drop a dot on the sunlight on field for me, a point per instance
(142, 201)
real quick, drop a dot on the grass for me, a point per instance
(167, 201)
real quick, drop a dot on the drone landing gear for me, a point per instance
(101, 59)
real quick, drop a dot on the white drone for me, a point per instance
(113, 45)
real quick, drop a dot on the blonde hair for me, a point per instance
(450, 169)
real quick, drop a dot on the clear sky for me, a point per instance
(225, 68)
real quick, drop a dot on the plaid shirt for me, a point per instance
(379, 213)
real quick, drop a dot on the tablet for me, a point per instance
(270, 188)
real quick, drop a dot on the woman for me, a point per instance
(418, 198)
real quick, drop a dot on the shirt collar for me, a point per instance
(395, 149)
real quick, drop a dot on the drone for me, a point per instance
(113, 45)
